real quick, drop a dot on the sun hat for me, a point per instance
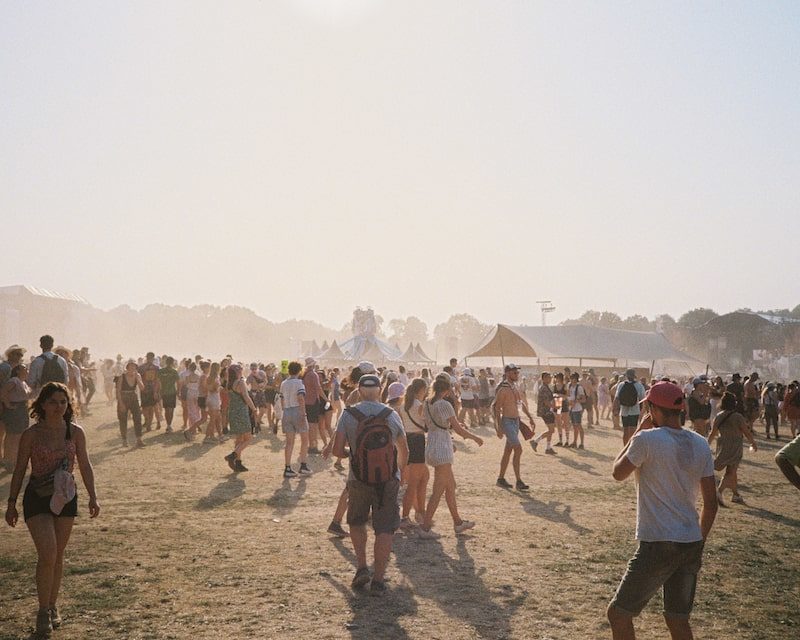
(511, 367)
(310, 361)
(15, 347)
(396, 390)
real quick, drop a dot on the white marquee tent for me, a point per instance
(584, 346)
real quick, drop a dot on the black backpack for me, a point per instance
(628, 395)
(51, 371)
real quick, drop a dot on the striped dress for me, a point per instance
(439, 447)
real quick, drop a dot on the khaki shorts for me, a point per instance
(382, 502)
(671, 565)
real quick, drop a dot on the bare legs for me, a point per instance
(622, 626)
(416, 490)
(50, 536)
(289, 448)
(444, 484)
(517, 450)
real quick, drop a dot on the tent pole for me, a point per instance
(502, 354)
(652, 368)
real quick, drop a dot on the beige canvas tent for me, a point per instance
(332, 355)
(583, 345)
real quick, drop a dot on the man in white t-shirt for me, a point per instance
(672, 465)
(294, 421)
(469, 387)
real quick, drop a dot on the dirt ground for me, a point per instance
(185, 549)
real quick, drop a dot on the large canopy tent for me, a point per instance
(332, 355)
(585, 346)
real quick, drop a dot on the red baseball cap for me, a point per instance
(665, 395)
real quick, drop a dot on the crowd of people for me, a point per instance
(394, 425)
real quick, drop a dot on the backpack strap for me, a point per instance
(360, 417)
(414, 422)
(433, 420)
(385, 413)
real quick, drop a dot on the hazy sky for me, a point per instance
(302, 157)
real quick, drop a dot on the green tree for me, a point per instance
(697, 317)
(637, 322)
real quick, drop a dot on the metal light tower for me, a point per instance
(546, 306)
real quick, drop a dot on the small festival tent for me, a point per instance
(584, 346)
(409, 355)
(333, 354)
(421, 355)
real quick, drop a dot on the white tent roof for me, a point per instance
(552, 345)
(369, 348)
(332, 353)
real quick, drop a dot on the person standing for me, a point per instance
(770, 400)
(508, 404)
(469, 397)
(313, 395)
(627, 399)
(14, 355)
(294, 421)
(577, 398)
(673, 465)
(14, 395)
(150, 394)
(168, 381)
(699, 405)
(751, 403)
(791, 406)
(545, 405)
(53, 442)
(417, 474)
(373, 481)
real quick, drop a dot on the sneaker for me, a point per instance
(338, 465)
(168, 430)
(361, 578)
(550, 451)
(335, 529)
(238, 467)
(521, 486)
(737, 499)
(377, 589)
(231, 460)
(158, 426)
(304, 470)
(464, 526)
(313, 451)
(580, 446)
(44, 626)
(209, 440)
(288, 472)
(502, 482)
(534, 444)
(559, 444)
(55, 617)
(140, 444)
(430, 534)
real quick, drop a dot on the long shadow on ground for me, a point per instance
(578, 466)
(225, 491)
(772, 516)
(285, 499)
(550, 511)
(374, 617)
(466, 599)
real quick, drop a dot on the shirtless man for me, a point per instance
(507, 405)
(751, 406)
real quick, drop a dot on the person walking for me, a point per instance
(294, 421)
(417, 474)
(731, 427)
(440, 421)
(48, 366)
(168, 383)
(508, 403)
(51, 446)
(577, 398)
(240, 410)
(545, 405)
(627, 400)
(14, 396)
(374, 480)
(129, 386)
(673, 465)
(791, 407)
(770, 401)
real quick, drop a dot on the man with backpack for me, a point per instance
(629, 393)
(378, 451)
(47, 367)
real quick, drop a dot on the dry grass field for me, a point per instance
(183, 549)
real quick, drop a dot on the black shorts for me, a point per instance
(630, 422)
(169, 402)
(485, 402)
(270, 395)
(322, 406)
(33, 505)
(312, 412)
(548, 417)
(201, 402)
(469, 404)
(148, 399)
(416, 448)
